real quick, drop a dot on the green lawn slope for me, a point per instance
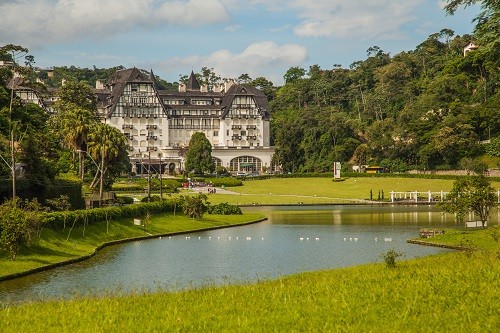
(59, 246)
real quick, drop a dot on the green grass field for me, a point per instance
(320, 190)
(324, 190)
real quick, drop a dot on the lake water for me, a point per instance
(294, 239)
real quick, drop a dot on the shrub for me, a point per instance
(224, 209)
(390, 257)
(152, 198)
(227, 182)
(195, 206)
(125, 200)
(20, 224)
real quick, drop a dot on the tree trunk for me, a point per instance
(101, 185)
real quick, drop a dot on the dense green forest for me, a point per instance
(429, 108)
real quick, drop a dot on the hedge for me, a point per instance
(58, 187)
(168, 184)
(226, 181)
(56, 220)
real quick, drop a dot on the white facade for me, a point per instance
(159, 125)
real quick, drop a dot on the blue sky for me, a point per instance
(257, 37)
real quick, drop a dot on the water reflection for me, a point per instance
(292, 240)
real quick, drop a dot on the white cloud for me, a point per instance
(259, 59)
(232, 28)
(342, 18)
(354, 19)
(37, 22)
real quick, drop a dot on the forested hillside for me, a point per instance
(428, 108)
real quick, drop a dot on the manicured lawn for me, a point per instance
(324, 190)
(55, 246)
(453, 292)
(320, 190)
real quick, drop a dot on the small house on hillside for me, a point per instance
(470, 46)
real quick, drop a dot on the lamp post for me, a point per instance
(161, 183)
(149, 176)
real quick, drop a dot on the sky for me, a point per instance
(234, 37)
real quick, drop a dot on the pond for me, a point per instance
(293, 240)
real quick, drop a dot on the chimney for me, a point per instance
(228, 84)
(218, 87)
(204, 88)
(99, 84)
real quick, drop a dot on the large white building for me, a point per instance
(159, 124)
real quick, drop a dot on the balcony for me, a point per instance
(251, 127)
(237, 127)
(252, 137)
(151, 148)
(151, 126)
(127, 126)
(236, 137)
(151, 137)
(129, 136)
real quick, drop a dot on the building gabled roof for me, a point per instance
(20, 83)
(121, 78)
(192, 84)
(245, 90)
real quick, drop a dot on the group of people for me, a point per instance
(212, 190)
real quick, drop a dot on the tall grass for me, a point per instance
(455, 292)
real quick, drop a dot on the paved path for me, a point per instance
(218, 189)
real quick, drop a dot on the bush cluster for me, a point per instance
(168, 185)
(124, 200)
(226, 181)
(224, 209)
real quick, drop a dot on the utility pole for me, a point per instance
(101, 180)
(12, 150)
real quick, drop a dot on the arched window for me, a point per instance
(246, 164)
(217, 161)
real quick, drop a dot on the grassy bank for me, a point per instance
(451, 292)
(56, 246)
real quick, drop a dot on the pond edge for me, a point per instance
(116, 242)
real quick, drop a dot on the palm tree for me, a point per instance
(105, 145)
(73, 123)
(76, 113)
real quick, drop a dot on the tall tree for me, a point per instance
(76, 113)
(293, 74)
(107, 145)
(199, 155)
(470, 194)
